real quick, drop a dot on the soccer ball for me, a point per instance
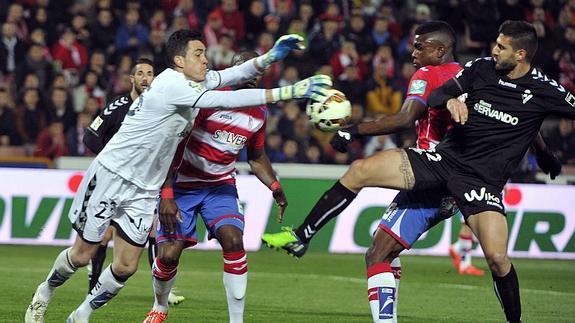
(330, 114)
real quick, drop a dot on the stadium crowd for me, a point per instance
(60, 61)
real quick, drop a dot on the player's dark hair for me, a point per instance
(141, 60)
(178, 43)
(437, 26)
(243, 56)
(523, 36)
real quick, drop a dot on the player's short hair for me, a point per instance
(178, 43)
(441, 27)
(243, 56)
(523, 36)
(141, 60)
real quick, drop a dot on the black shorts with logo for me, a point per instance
(472, 194)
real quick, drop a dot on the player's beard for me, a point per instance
(504, 67)
(139, 89)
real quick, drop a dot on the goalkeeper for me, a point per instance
(121, 185)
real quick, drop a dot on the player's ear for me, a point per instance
(441, 51)
(179, 61)
(520, 54)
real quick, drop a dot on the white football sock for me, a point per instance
(163, 280)
(381, 291)
(106, 288)
(235, 282)
(61, 271)
(466, 243)
(396, 270)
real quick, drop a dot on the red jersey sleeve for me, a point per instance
(420, 85)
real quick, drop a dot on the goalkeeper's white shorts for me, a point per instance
(105, 198)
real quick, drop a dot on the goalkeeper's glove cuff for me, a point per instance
(282, 93)
(264, 61)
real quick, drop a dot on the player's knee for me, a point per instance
(358, 172)
(169, 258)
(80, 258)
(498, 261)
(377, 254)
(233, 242)
(124, 270)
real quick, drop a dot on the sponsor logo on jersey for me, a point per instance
(483, 195)
(526, 96)
(95, 125)
(231, 138)
(486, 109)
(225, 116)
(196, 86)
(390, 212)
(386, 297)
(570, 99)
(508, 84)
(430, 153)
(418, 87)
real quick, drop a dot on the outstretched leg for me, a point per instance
(390, 169)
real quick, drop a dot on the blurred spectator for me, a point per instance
(394, 26)
(544, 57)
(12, 49)
(79, 25)
(31, 81)
(41, 20)
(297, 27)
(16, 16)
(61, 108)
(51, 141)
(214, 28)
(306, 14)
(158, 20)
(322, 45)
(99, 66)
(561, 141)
(30, 116)
(103, 32)
(8, 132)
(254, 20)
(220, 55)
(75, 136)
(286, 122)
(70, 56)
(537, 12)
(357, 32)
(38, 36)
(34, 62)
(382, 97)
(565, 56)
(290, 150)
(131, 34)
(185, 8)
(156, 48)
(92, 107)
(272, 74)
(481, 25)
(274, 144)
(272, 25)
(405, 73)
(88, 87)
(233, 20)
(313, 155)
(290, 76)
(351, 85)
(348, 56)
(380, 34)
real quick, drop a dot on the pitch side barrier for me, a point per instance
(34, 204)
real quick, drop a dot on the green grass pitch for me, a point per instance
(320, 287)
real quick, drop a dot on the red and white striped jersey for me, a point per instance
(208, 155)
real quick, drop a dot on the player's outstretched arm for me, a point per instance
(262, 168)
(315, 87)
(445, 96)
(239, 74)
(405, 119)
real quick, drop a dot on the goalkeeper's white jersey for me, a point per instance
(142, 149)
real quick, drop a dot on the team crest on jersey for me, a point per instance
(526, 96)
(570, 99)
(418, 87)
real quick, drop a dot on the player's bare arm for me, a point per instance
(262, 168)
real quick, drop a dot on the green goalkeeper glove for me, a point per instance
(315, 88)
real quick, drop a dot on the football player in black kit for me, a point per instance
(100, 132)
(507, 100)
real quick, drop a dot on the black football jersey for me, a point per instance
(504, 117)
(107, 123)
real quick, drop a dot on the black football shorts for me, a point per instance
(472, 194)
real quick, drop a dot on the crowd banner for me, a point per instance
(34, 205)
